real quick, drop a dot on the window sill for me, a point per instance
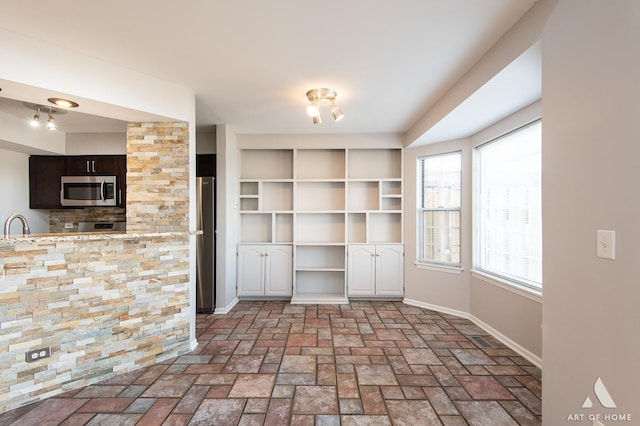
(440, 268)
(511, 286)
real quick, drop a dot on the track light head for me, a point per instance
(35, 121)
(51, 124)
(337, 113)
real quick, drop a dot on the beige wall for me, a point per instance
(591, 147)
(446, 290)
(513, 316)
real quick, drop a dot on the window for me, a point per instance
(439, 195)
(509, 207)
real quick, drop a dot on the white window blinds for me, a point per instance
(509, 209)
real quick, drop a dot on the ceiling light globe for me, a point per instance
(35, 121)
(51, 125)
(317, 119)
(313, 109)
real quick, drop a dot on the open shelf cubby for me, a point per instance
(363, 195)
(320, 196)
(320, 164)
(249, 204)
(249, 188)
(255, 228)
(277, 196)
(385, 227)
(320, 258)
(375, 164)
(391, 203)
(266, 164)
(357, 228)
(391, 187)
(320, 284)
(320, 228)
(283, 228)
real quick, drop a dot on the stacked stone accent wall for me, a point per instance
(58, 218)
(157, 177)
(104, 303)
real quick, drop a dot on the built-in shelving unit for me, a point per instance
(320, 201)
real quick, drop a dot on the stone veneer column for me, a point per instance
(157, 177)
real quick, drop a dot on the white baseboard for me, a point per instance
(436, 308)
(226, 309)
(193, 345)
(516, 347)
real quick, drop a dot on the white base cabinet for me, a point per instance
(265, 270)
(375, 270)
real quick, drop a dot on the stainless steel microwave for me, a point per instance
(83, 191)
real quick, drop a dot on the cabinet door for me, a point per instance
(44, 181)
(121, 174)
(92, 164)
(278, 271)
(361, 270)
(251, 270)
(389, 270)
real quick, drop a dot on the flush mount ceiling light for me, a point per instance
(64, 103)
(316, 98)
(35, 121)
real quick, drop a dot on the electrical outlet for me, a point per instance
(37, 354)
(68, 225)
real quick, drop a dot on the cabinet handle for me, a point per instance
(93, 166)
(88, 171)
(119, 196)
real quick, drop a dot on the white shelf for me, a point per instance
(320, 298)
(320, 201)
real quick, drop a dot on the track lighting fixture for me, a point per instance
(51, 122)
(316, 97)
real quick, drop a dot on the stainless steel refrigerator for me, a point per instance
(206, 246)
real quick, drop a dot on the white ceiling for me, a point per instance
(251, 62)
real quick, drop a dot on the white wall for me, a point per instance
(227, 217)
(14, 179)
(96, 144)
(591, 152)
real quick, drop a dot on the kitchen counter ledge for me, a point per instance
(11, 240)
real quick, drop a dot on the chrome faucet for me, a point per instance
(25, 225)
